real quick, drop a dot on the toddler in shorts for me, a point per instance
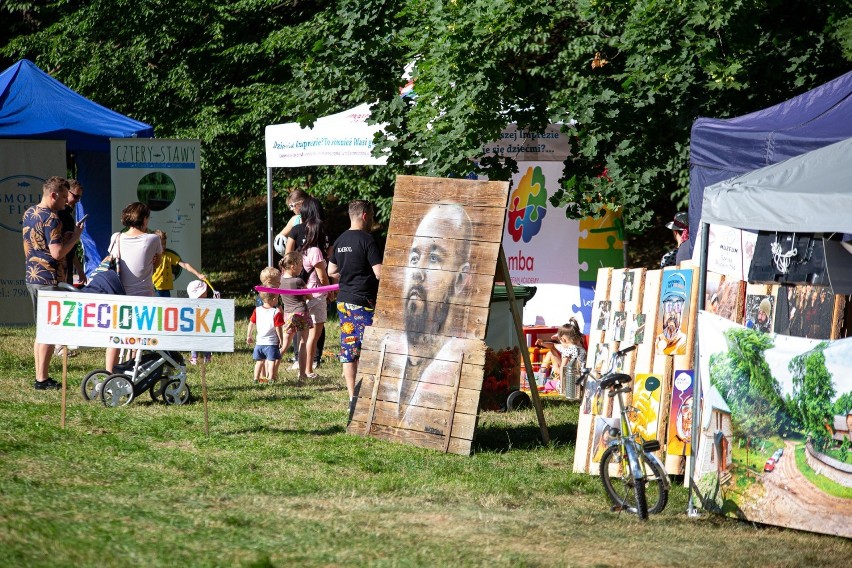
(295, 306)
(268, 320)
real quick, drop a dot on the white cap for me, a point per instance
(196, 289)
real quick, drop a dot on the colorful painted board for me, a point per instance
(764, 453)
(420, 373)
(808, 311)
(674, 312)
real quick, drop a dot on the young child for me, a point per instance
(164, 279)
(569, 354)
(198, 289)
(269, 323)
(295, 307)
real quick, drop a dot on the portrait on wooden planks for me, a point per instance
(421, 367)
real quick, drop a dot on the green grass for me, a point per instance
(823, 483)
(279, 482)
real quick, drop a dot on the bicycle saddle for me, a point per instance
(615, 380)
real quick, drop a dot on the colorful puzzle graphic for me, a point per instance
(528, 206)
(601, 245)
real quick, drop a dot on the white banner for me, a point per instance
(342, 139)
(529, 146)
(729, 251)
(541, 245)
(24, 165)
(135, 322)
(164, 174)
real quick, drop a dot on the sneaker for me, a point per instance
(294, 367)
(317, 363)
(193, 361)
(208, 357)
(48, 384)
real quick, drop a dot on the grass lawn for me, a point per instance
(279, 482)
(824, 483)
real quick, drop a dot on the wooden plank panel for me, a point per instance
(650, 308)
(394, 368)
(473, 349)
(460, 320)
(439, 397)
(462, 191)
(418, 419)
(486, 223)
(483, 256)
(477, 293)
(686, 361)
(421, 439)
(585, 422)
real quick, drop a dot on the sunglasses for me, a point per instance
(76, 195)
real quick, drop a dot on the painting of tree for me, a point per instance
(745, 381)
(813, 391)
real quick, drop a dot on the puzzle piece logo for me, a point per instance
(528, 206)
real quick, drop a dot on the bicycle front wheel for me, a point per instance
(626, 492)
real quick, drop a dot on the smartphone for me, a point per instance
(83, 219)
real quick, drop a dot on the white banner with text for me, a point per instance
(135, 322)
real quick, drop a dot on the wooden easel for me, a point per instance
(503, 273)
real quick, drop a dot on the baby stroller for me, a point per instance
(161, 373)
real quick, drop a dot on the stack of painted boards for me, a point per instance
(632, 306)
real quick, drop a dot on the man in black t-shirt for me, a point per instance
(357, 263)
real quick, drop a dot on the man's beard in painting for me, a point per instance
(418, 320)
(671, 327)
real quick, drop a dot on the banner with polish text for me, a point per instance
(135, 322)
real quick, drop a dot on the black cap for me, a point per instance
(680, 222)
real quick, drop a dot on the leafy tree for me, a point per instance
(222, 71)
(745, 381)
(843, 404)
(812, 393)
(843, 454)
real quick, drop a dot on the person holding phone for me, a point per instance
(67, 215)
(45, 248)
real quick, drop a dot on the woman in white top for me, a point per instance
(138, 253)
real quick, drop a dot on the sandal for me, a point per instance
(312, 376)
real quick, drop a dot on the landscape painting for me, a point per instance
(774, 446)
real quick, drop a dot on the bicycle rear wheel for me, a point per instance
(625, 492)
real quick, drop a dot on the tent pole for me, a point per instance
(691, 511)
(269, 229)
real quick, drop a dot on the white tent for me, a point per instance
(342, 139)
(811, 193)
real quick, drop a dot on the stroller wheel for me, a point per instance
(173, 393)
(117, 391)
(156, 390)
(92, 383)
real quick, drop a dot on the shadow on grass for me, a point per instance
(328, 431)
(499, 438)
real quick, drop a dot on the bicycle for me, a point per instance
(643, 478)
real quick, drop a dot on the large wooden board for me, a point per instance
(586, 419)
(421, 367)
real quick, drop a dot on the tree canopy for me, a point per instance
(627, 79)
(813, 391)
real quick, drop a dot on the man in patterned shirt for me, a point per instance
(45, 248)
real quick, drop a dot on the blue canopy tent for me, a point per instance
(721, 149)
(34, 105)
